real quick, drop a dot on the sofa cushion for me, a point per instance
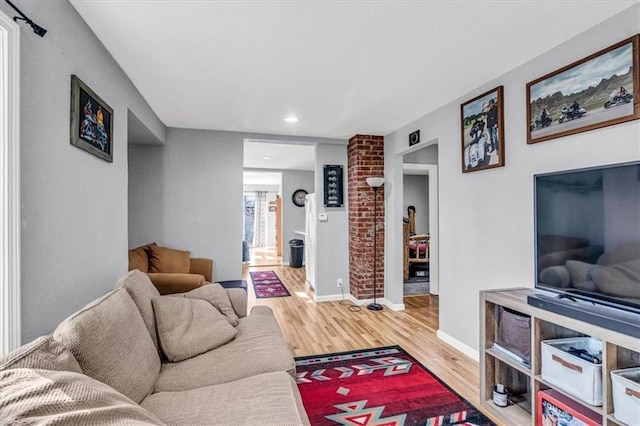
(620, 279)
(45, 353)
(111, 343)
(556, 276)
(142, 290)
(265, 399)
(216, 295)
(580, 275)
(263, 350)
(138, 259)
(34, 396)
(553, 243)
(164, 259)
(189, 327)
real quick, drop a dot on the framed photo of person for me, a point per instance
(482, 126)
(91, 121)
(599, 90)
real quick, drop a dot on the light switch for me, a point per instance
(322, 217)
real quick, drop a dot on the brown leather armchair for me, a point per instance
(171, 270)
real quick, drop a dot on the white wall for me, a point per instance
(190, 196)
(74, 205)
(486, 217)
(333, 235)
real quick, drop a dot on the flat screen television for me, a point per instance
(587, 235)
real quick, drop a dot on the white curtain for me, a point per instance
(260, 220)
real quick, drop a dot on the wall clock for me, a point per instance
(298, 197)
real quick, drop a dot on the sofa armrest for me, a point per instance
(238, 298)
(167, 283)
(203, 267)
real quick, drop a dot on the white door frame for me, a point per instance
(9, 184)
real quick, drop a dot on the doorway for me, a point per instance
(262, 218)
(420, 195)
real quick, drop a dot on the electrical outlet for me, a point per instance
(339, 282)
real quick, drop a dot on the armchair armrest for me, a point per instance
(203, 267)
(167, 283)
(238, 298)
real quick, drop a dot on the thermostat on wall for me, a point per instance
(322, 217)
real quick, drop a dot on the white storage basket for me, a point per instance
(626, 395)
(574, 375)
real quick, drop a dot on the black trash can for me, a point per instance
(297, 251)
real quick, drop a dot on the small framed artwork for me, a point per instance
(333, 195)
(482, 125)
(597, 91)
(414, 138)
(91, 121)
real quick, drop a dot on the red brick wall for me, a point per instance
(365, 158)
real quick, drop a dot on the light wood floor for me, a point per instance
(316, 328)
(264, 257)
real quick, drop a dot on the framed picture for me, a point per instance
(333, 196)
(597, 91)
(482, 125)
(91, 121)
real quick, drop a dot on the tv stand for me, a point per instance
(593, 313)
(524, 381)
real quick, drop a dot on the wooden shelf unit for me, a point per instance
(619, 351)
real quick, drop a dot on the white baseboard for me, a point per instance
(465, 349)
(330, 298)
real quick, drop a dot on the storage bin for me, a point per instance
(626, 395)
(514, 333)
(574, 375)
(556, 409)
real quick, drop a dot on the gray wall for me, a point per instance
(188, 195)
(74, 205)
(293, 217)
(427, 155)
(486, 217)
(416, 193)
(333, 235)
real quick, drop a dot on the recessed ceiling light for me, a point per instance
(266, 158)
(291, 119)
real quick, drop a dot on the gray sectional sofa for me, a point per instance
(136, 357)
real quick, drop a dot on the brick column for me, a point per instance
(365, 158)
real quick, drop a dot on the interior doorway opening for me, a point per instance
(420, 221)
(262, 219)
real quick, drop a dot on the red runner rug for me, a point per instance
(382, 386)
(267, 284)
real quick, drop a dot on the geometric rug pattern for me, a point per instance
(267, 284)
(381, 386)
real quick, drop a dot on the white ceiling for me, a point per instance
(342, 67)
(267, 155)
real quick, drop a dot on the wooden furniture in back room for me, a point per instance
(416, 247)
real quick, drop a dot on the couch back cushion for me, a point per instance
(164, 259)
(142, 290)
(138, 259)
(189, 327)
(45, 353)
(111, 343)
(34, 396)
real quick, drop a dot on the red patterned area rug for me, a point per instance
(382, 386)
(267, 284)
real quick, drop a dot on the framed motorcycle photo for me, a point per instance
(482, 126)
(597, 91)
(91, 121)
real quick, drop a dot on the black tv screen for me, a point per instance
(587, 229)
